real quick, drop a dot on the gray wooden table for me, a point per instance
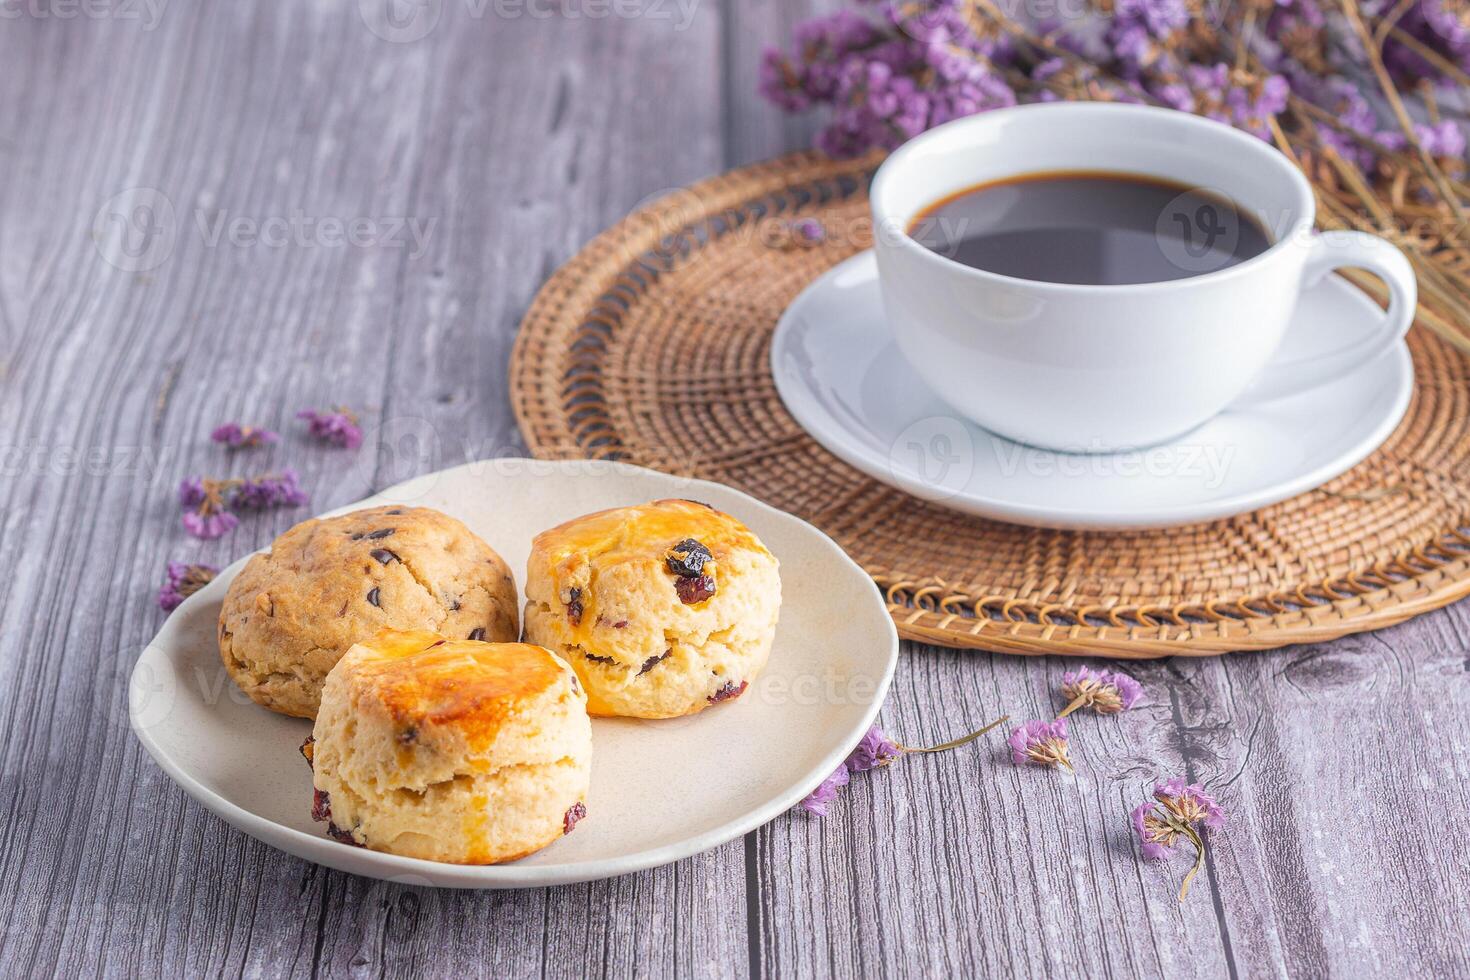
(131, 321)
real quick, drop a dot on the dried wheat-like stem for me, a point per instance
(1396, 103)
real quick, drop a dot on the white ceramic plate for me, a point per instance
(661, 790)
(843, 379)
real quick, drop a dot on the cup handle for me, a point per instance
(1336, 250)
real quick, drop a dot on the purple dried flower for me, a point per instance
(1176, 813)
(809, 230)
(238, 436)
(210, 526)
(874, 750)
(205, 512)
(1105, 692)
(1443, 26)
(1040, 743)
(191, 491)
(337, 426)
(800, 233)
(915, 66)
(1191, 802)
(1445, 139)
(818, 801)
(271, 490)
(207, 503)
(183, 581)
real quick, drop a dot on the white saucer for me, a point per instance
(661, 790)
(844, 380)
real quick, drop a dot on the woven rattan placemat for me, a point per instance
(652, 345)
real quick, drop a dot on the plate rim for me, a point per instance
(829, 432)
(329, 853)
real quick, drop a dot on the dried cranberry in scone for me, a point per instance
(655, 606)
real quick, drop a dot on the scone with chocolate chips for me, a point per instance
(662, 609)
(325, 584)
(450, 750)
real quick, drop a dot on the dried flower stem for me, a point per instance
(1430, 55)
(956, 743)
(1390, 21)
(1354, 179)
(1077, 702)
(1396, 103)
(1242, 43)
(1199, 859)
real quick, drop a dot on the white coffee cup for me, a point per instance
(1103, 368)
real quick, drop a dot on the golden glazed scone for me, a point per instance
(325, 584)
(662, 609)
(450, 750)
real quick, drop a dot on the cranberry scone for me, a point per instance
(662, 609)
(325, 584)
(450, 750)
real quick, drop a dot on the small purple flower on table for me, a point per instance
(206, 514)
(238, 436)
(809, 231)
(192, 491)
(207, 527)
(1175, 814)
(1105, 692)
(208, 503)
(183, 581)
(338, 426)
(271, 490)
(874, 751)
(1040, 743)
(820, 799)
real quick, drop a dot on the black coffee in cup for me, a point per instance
(1095, 228)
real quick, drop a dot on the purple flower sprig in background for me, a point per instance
(875, 751)
(338, 426)
(1106, 692)
(886, 70)
(182, 581)
(1176, 813)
